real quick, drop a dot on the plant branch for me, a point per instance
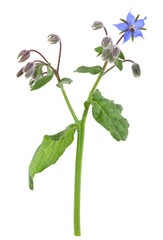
(70, 108)
(106, 32)
(126, 60)
(59, 57)
(120, 39)
(32, 50)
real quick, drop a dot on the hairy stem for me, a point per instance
(71, 109)
(32, 50)
(79, 154)
(120, 39)
(59, 57)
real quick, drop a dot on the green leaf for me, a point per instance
(51, 148)
(99, 50)
(121, 55)
(92, 70)
(108, 114)
(64, 81)
(42, 80)
(118, 64)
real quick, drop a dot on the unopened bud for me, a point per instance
(28, 67)
(29, 73)
(53, 39)
(107, 55)
(25, 54)
(136, 70)
(31, 82)
(106, 41)
(97, 25)
(115, 51)
(21, 71)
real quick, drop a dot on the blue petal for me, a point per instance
(127, 36)
(130, 19)
(138, 33)
(140, 23)
(122, 26)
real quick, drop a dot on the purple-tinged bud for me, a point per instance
(115, 51)
(35, 73)
(29, 73)
(53, 39)
(136, 70)
(25, 54)
(21, 71)
(106, 41)
(29, 67)
(97, 25)
(107, 55)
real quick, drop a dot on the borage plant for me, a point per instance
(104, 111)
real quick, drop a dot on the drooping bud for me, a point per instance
(28, 67)
(107, 54)
(97, 25)
(136, 70)
(25, 54)
(106, 41)
(21, 71)
(37, 71)
(31, 82)
(115, 51)
(29, 73)
(53, 39)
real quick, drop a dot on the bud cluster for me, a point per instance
(110, 51)
(31, 69)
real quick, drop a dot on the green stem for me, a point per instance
(79, 154)
(71, 109)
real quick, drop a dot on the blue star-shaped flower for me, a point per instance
(131, 27)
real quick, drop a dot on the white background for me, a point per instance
(122, 182)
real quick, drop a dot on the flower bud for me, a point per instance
(53, 39)
(31, 82)
(136, 70)
(106, 41)
(29, 73)
(115, 51)
(28, 67)
(97, 25)
(25, 54)
(107, 54)
(21, 71)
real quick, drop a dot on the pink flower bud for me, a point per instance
(25, 54)
(29, 67)
(21, 71)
